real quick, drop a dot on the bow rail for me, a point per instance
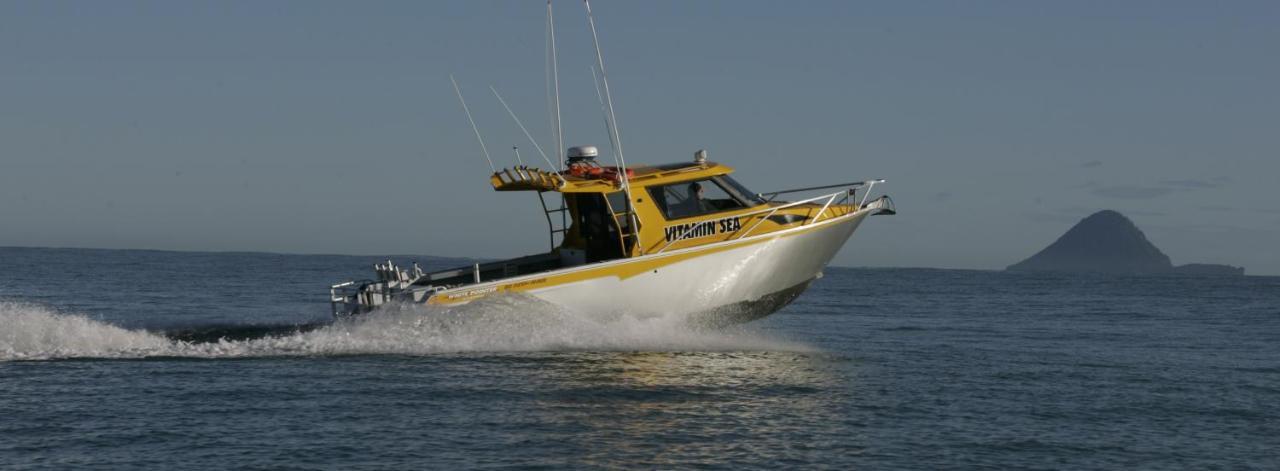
(849, 192)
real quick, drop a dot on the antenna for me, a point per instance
(518, 123)
(612, 123)
(595, 80)
(518, 159)
(473, 124)
(555, 83)
(608, 98)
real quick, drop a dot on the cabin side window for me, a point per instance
(695, 198)
(618, 204)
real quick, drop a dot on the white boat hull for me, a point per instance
(721, 282)
(751, 279)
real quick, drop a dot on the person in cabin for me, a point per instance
(695, 204)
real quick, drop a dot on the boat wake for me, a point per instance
(501, 324)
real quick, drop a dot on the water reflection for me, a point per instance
(662, 408)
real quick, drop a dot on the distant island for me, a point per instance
(1108, 242)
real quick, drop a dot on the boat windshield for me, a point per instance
(740, 191)
(700, 197)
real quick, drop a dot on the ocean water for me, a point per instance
(159, 360)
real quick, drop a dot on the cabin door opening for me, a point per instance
(598, 228)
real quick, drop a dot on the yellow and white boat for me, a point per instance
(675, 239)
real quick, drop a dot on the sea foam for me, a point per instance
(502, 324)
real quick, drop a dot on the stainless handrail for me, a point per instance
(770, 210)
(830, 198)
(851, 185)
(850, 189)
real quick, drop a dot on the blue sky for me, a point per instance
(331, 126)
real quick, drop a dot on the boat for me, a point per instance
(683, 239)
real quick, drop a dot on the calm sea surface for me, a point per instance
(162, 360)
